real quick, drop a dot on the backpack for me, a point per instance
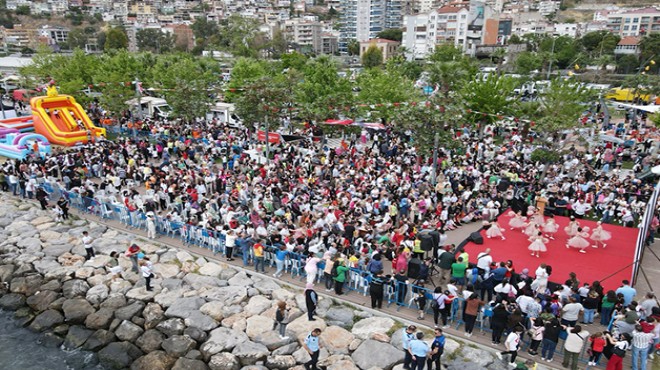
(333, 271)
(434, 304)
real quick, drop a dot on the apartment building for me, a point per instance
(304, 33)
(388, 48)
(637, 22)
(361, 20)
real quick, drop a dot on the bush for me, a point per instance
(545, 156)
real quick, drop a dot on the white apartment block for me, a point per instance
(415, 36)
(636, 22)
(566, 29)
(445, 25)
(304, 33)
(548, 7)
(361, 20)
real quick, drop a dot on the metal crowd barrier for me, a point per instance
(400, 294)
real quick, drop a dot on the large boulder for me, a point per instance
(477, 356)
(75, 288)
(372, 353)
(272, 340)
(280, 362)
(200, 281)
(340, 315)
(300, 327)
(166, 270)
(12, 301)
(183, 307)
(97, 294)
(128, 331)
(224, 361)
(213, 309)
(130, 311)
(153, 314)
(6, 272)
(167, 297)
(150, 340)
(40, 301)
(257, 305)
(229, 295)
(99, 339)
(141, 294)
(365, 328)
(27, 285)
(43, 266)
(118, 355)
(210, 269)
(257, 325)
(198, 320)
(100, 319)
(222, 340)
(76, 310)
(189, 364)
(240, 279)
(171, 327)
(249, 353)
(336, 339)
(114, 301)
(178, 345)
(156, 360)
(46, 320)
(76, 337)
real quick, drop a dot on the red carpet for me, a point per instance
(596, 264)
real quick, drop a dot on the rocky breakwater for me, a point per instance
(200, 315)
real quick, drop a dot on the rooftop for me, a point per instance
(629, 40)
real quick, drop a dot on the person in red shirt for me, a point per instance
(597, 344)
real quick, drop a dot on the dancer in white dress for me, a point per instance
(572, 228)
(579, 241)
(600, 236)
(495, 231)
(531, 229)
(550, 227)
(517, 221)
(538, 244)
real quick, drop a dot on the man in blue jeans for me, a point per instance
(640, 347)
(311, 345)
(408, 335)
(280, 256)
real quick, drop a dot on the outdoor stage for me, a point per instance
(596, 264)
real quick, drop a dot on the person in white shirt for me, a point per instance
(511, 346)
(484, 260)
(146, 267)
(87, 243)
(570, 312)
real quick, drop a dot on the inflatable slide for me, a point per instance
(17, 145)
(62, 120)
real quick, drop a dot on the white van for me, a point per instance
(149, 107)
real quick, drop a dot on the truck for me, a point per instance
(149, 106)
(627, 94)
(225, 113)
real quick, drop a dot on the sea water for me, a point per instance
(20, 349)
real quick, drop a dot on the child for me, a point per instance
(281, 319)
(517, 221)
(421, 304)
(527, 365)
(572, 228)
(597, 344)
(600, 236)
(113, 265)
(579, 240)
(538, 244)
(495, 230)
(58, 214)
(536, 333)
(550, 227)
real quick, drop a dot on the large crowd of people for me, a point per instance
(365, 204)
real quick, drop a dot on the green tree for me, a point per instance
(425, 121)
(381, 88)
(322, 94)
(244, 72)
(627, 64)
(394, 34)
(353, 47)
(372, 57)
(186, 83)
(410, 69)
(527, 62)
(293, 60)
(241, 37)
(563, 53)
(649, 48)
(446, 53)
(155, 40)
(23, 10)
(514, 40)
(115, 39)
(77, 39)
(267, 96)
(203, 30)
(487, 98)
(598, 43)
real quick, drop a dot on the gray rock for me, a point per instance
(98, 340)
(100, 319)
(156, 360)
(114, 301)
(76, 337)
(12, 301)
(51, 340)
(75, 288)
(119, 355)
(194, 355)
(272, 340)
(189, 364)
(478, 356)
(240, 279)
(178, 345)
(133, 309)
(287, 349)
(280, 362)
(198, 320)
(265, 286)
(97, 294)
(196, 334)
(46, 320)
(221, 340)
(363, 329)
(183, 307)
(43, 266)
(141, 294)
(6, 272)
(150, 340)
(56, 250)
(340, 314)
(397, 339)
(40, 302)
(57, 304)
(127, 331)
(76, 310)
(249, 352)
(211, 269)
(257, 305)
(23, 316)
(198, 281)
(53, 285)
(27, 285)
(172, 284)
(229, 295)
(153, 314)
(171, 327)
(167, 298)
(213, 309)
(387, 355)
(224, 361)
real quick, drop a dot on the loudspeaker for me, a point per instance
(476, 238)
(414, 266)
(427, 242)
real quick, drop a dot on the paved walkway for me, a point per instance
(480, 339)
